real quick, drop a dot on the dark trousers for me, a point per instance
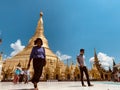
(84, 69)
(21, 77)
(38, 68)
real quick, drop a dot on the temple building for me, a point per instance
(98, 72)
(54, 69)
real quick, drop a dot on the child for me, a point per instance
(16, 76)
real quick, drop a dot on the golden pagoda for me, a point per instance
(53, 68)
(97, 72)
(76, 73)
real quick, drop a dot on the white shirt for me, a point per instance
(81, 60)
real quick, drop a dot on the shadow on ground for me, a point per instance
(23, 89)
(76, 86)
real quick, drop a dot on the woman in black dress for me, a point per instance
(39, 60)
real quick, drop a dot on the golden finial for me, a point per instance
(41, 14)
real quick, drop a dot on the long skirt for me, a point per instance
(38, 64)
(16, 79)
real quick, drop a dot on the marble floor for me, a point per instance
(61, 86)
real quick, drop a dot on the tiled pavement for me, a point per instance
(61, 86)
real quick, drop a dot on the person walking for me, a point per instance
(83, 68)
(25, 76)
(17, 74)
(118, 76)
(21, 76)
(39, 61)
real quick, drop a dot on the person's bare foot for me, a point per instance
(35, 85)
(84, 85)
(35, 88)
(90, 85)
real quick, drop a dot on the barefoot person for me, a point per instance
(83, 68)
(17, 74)
(39, 60)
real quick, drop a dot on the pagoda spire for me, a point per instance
(114, 68)
(96, 61)
(114, 63)
(39, 33)
(40, 30)
(95, 55)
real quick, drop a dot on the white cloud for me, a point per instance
(17, 47)
(105, 60)
(62, 57)
(5, 57)
(91, 59)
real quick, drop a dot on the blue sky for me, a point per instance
(69, 25)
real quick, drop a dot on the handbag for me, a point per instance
(44, 63)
